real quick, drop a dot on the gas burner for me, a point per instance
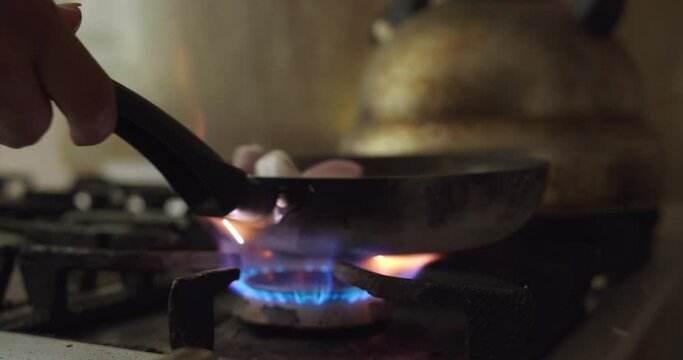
(279, 289)
(291, 287)
(303, 298)
(498, 317)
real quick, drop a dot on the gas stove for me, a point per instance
(126, 267)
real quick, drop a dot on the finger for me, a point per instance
(71, 14)
(76, 83)
(25, 111)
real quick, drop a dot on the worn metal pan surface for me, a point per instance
(401, 205)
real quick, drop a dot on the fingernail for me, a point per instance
(91, 136)
(72, 15)
(98, 129)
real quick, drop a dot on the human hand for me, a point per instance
(41, 61)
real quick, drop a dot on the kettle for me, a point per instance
(471, 75)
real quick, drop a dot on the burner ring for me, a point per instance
(302, 298)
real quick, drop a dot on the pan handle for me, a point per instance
(199, 175)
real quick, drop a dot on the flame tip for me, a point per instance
(233, 231)
(404, 266)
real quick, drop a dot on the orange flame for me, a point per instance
(239, 227)
(233, 231)
(403, 266)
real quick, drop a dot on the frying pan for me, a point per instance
(401, 205)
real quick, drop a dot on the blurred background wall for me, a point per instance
(285, 73)
(651, 31)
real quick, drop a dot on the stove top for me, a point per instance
(126, 267)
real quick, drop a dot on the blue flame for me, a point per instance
(323, 292)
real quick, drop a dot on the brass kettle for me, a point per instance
(471, 75)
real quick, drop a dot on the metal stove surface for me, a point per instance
(20, 346)
(627, 325)
(410, 335)
(559, 283)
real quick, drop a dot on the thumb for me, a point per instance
(71, 14)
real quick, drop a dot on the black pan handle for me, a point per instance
(199, 175)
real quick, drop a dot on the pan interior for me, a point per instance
(430, 165)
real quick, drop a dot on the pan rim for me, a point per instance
(491, 163)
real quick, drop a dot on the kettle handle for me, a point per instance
(600, 17)
(400, 10)
(597, 16)
(395, 13)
